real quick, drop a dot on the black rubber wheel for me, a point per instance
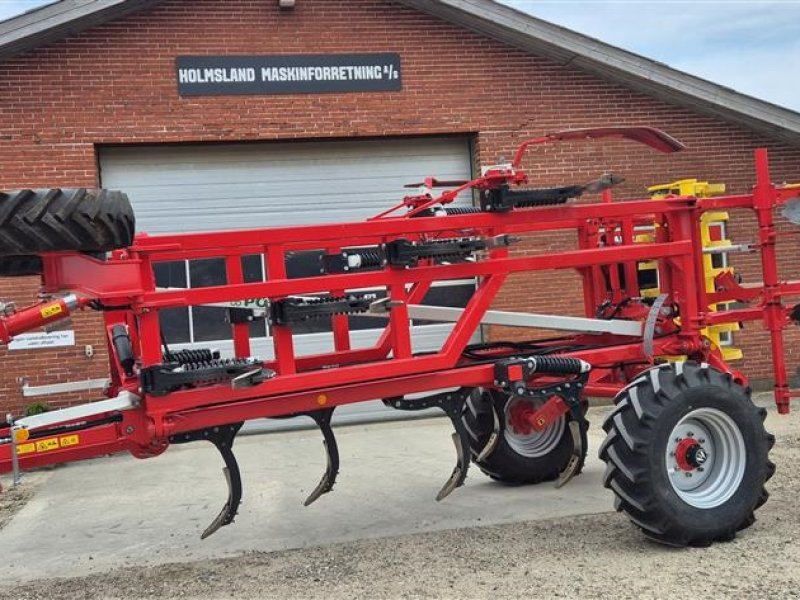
(20, 266)
(687, 455)
(33, 221)
(517, 459)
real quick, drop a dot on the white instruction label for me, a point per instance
(36, 341)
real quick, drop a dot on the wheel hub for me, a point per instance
(518, 414)
(705, 458)
(690, 454)
(697, 456)
(521, 435)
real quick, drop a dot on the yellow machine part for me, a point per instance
(686, 187)
(698, 189)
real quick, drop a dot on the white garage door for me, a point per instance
(233, 186)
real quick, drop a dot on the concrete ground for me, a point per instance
(380, 535)
(92, 516)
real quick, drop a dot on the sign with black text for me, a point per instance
(41, 339)
(288, 74)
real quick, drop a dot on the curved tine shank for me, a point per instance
(325, 485)
(576, 460)
(223, 441)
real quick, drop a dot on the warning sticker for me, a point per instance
(26, 449)
(49, 444)
(51, 311)
(69, 440)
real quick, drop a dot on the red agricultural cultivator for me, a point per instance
(686, 451)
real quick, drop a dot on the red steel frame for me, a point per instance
(389, 368)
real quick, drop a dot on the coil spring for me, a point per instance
(371, 258)
(462, 210)
(186, 357)
(558, 364)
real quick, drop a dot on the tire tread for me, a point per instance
(628, 429)
(504, 464)
(52, 220)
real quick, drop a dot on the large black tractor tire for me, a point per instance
(687, 455)
(517, 458)
(51, 220)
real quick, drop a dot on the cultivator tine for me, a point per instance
(459, 474)
(494, 437)
(452, 403)
(222, 437)
(229, 510)
(575, 463)
(325, 485)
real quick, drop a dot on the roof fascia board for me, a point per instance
(67, 17)
(59, 20)
(570, 48)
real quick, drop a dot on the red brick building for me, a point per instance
(104, 93)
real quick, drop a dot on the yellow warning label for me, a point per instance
(47, 445)
(25, 449)
(51, 311)
(69, 440)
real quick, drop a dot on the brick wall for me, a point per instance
(115, 84)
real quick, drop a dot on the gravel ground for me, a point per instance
(15, 497)
(597, 556)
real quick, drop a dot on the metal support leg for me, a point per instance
(16, 477)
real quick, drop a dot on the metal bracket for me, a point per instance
(511, 374)
(301, 309)
(252, 378)
(650, 325)
(159, 380)
(404, 253)
(504, 199)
